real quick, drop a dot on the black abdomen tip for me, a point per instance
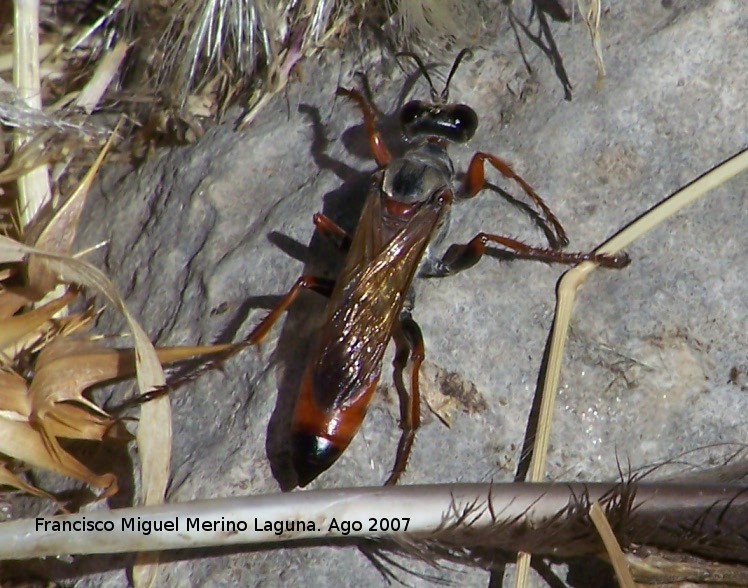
(312, 455)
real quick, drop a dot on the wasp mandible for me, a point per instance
(405, 212)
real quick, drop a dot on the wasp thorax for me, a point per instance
(452, 122)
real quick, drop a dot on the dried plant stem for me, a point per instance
(617, 558)
(33, 188)
(523, 569)
(537, 517)
(574, 278)
(103, 75)
(591, 18)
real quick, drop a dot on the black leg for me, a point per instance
(409, 342)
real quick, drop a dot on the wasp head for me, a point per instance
(453, 122)
(437, 118)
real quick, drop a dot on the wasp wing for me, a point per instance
(368, 297)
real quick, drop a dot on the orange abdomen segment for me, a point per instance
(319, 436)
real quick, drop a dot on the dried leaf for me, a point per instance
(11, 301)
(8, 478)
(24, 330)
(71, 421)
(20, 440)
(154, 432)
(14, 400)
(58, 232)
(54, 405)
(66, 368)
(63, 420)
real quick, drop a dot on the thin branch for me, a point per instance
(441, 521)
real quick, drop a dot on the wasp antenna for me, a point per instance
(422, 69)
(466, 52)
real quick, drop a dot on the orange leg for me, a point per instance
(332, 231)
(475, 181)
(460, 257)
(381, 154)
(320, 285)
(409, 342)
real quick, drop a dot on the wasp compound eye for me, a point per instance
(464, 122)
(412, 112)
(452, 122)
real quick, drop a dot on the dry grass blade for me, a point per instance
(617, 558)
(105, 72)
(33, 189)
(568, 286)
(523, 569)
(154, 444)
(46, 268)
(592, 19)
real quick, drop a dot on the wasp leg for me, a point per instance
(409, 342)
(475, 180)
(381, 154)
(460, 257)
(332, 231)
(320, 285)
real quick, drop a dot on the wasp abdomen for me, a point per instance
(319, 434)
(312, 454)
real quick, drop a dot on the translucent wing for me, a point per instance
(368, 298)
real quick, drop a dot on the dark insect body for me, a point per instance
(371, 302)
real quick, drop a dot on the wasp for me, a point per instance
(406, 213)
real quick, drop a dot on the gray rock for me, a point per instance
(203, 237)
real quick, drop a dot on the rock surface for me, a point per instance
(204, 237)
